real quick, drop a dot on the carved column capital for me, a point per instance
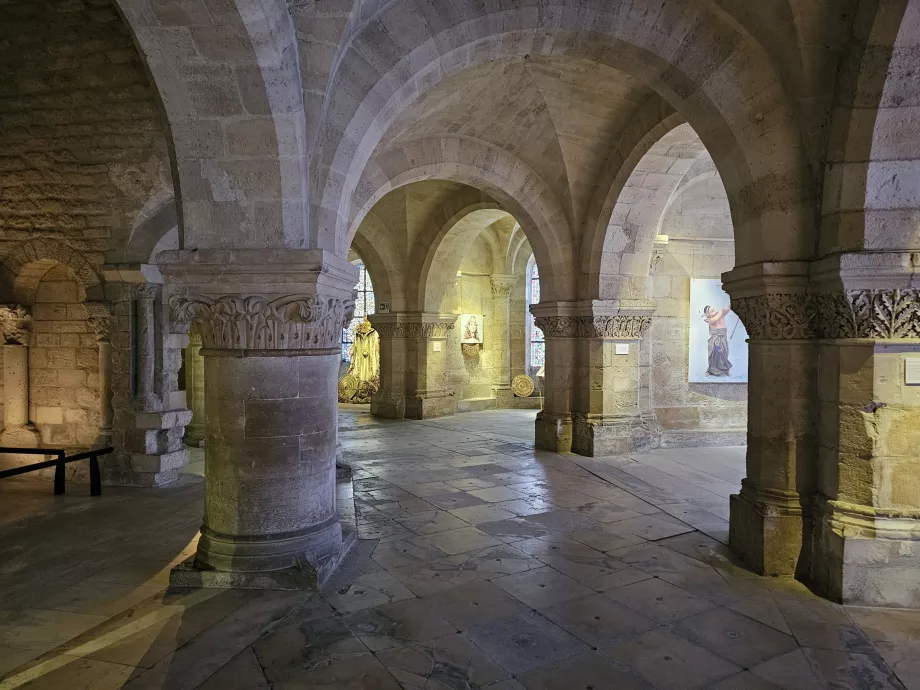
(618, 326)
(259, 322)
(777, 316)
(502, 286)
(557, 326)
(146, 291)
(100, 319)
(421, 325)
(15, 324)
(892, 314)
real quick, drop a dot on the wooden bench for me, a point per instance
(60, 459)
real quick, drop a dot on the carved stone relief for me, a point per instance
(414, 330)
(255, 322)
(15, 325)
(620, 326)
(877, 314)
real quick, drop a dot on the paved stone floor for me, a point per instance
(480, 563)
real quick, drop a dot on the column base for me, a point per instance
(599, 435)
(865, 556)
(553, 432)
(765, 529)
(194, 435)
(388, 406)
(431, 405)
(302, 561)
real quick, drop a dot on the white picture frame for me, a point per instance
(717, 355)
(469, 334)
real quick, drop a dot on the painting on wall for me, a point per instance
(472, 327)
(718, 340)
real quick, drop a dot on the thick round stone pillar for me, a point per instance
(270, 324)
(768, 518)
(607, 419)
(553, 427)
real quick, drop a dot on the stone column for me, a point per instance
(194, 389)
(553, 427)
(501, 328)
(768, 516)
(607, 419)
(16, 327)
(145, 361)
(413, 353)
(100, 318)
(271, 324)
(865, 546)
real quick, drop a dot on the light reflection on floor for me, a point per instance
(480, 563)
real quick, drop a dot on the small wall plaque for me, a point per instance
(621, 349)
(912, 371)
(383, 307)
(436, 346)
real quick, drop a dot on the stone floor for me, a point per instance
(480, 563)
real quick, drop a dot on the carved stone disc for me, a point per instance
(522, 385)
(348, 386)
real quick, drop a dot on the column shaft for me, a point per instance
(271, 352)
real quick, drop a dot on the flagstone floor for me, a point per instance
(479, 564)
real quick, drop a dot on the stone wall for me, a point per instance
(82, 146)
(63, 363)
(698, 224)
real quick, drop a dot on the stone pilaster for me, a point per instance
(559, 323)
(270, 324)
(769, 514)
(16, 330)
(149, 413)
(865, 541)
(500, 334)
(607, 419)
(413, 365)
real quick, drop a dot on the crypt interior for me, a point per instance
(448, 344)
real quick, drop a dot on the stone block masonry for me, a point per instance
(63, 364)
(82, 147)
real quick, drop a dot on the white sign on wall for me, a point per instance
(383, 307)
(718, 340)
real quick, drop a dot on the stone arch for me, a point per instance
(871, 197)
(24, 266)
(708, 69)
(149, 233)
(446, 249)
(382, 263)
(493, 171)
(620, 245)
(229, 81)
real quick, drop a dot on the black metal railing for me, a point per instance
(61, 459)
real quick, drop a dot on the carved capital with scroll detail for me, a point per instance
(257, 322)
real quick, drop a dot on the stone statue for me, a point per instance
(363, 377)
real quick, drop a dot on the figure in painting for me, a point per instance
(471, 331)
(363, 377)
(719, 364)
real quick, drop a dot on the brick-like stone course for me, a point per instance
(82, 146)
